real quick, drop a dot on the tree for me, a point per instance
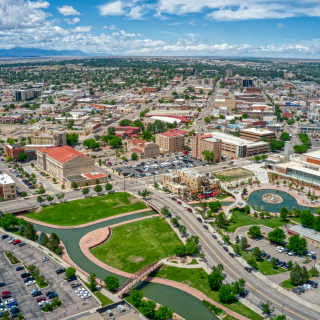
(112, 131)
(191, 248)
(237, 250)
(239, 286)
(145, 193)
(253, 263)
(273, 262)
(97, 188)
(163, 313)
(70, 272)
(307, 218)
(290, 264)
(22, 156)
(29, 231)
(72, 139)
(112, 282)
(92, 281)
(277, 235)
(221, 219)
(257, 158)
(267, 307)
(243, 243)
(226, 293)
(148, 308)
(41, 235)
(195, 239)
(54, 242)
(165, 211)
(297, 244)
(136, 297)
(284, 213)
(50, 198)
(254, 232)
(8, 221)
(124, 123)
(54, 180)
(44, 240)
(182, 229)
(281, 317)
(256, 252)
(85, 191)
(116, 142)
(208, 155)
(21, 229)
(74, 185)
(91, 143)
(40, 199)
(180, 249)
(215, 279)
(215, 205)
(134, 156)
(108, 186)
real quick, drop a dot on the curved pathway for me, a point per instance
(284, 189)
(82, 225)
(99, 236)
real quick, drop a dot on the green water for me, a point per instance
(255, 199)
(181, 302)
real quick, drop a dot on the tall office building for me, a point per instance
(247, 83)
(28, 93)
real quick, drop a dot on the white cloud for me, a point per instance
(112, 27)
(104, 27)
(137, 12)
(82, 29)
(68, 11)
(72, 21)
(112, 9)
(192, 22)
(174, 23)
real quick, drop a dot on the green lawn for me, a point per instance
(137, 244)
(82, 211)
(198, 279)
(287, 285)
(194, 261)
(102, 298)
(244, 219)
(228, 317)
(265, 266)
(232, 174)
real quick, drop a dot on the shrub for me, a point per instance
(70, 272)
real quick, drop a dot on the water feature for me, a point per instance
(255, 199)
(181, 302)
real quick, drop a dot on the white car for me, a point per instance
(148, 174)
(3, 309)
(45, 259)
(311, 253)
(9, 301)
(81, 293)
(290, 253)
(34, 290)
(240, 236)
(10, 241)
(183, 205)
(156, 172)
(85, 296)
(79, 290)
(30, 283)
(281, 250)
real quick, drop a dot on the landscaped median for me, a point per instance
(86, 210)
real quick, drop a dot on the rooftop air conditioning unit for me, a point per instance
(121, 308)
(109, 312)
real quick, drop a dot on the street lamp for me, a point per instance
(282, 308)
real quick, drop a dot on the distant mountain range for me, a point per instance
(36, 52)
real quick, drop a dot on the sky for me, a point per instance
(232, 28)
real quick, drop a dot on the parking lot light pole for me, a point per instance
(282, 308)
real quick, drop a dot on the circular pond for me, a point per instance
(255, 199)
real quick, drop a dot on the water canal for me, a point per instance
(184, 304)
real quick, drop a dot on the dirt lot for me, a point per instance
(233, 174)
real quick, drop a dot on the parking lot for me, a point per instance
(150, 167)
(271, 249)
(71, 303)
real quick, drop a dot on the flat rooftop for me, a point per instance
(228, 138)
(306, 232)
(258, 131)
(5, 179)
(313, 154)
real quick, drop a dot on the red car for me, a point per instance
(189, 209)
(6, 294)
(41, 299)
(16, 241)
(248, 245)
(178, 202)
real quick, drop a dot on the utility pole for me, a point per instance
(124, 183)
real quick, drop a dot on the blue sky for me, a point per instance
(249, 28)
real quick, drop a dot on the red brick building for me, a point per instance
(254, 90)
(150, 90)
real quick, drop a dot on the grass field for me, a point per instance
(244, 219)
(137, 244)
(265, 266)
(86, 210)
(287, 285)
(233, 174)
(198, 279)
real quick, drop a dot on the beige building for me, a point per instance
(61, 162)
(200, 143)
(230, 103)
(55, 139)
(7, 187)
(255, 134)
(231, 146)
(171, 140)
(189, 180)
(177, 112)
(143, 149)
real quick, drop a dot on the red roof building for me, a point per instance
(143, 148)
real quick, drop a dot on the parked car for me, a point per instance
(19, 268)
(214, 236)
(76, 284)
(30, 283)
(24, 275)
(52, 295)
(72, 279)
(226, 249)
(21, 244)
(45, 259)
(25, 280)
(14, 242)
(36, 293)
(5, 236)
(2, 284)
(41, 299)
(248, 269)
(231, 254)
(61, 270)
(49, 292)
(189, 209)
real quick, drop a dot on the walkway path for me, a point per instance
(82, 225)
(96, 237)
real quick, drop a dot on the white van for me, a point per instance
(175, 162)
(146, 168)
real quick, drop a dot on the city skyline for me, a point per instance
(278, 29)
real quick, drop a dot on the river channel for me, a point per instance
(184, 304)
